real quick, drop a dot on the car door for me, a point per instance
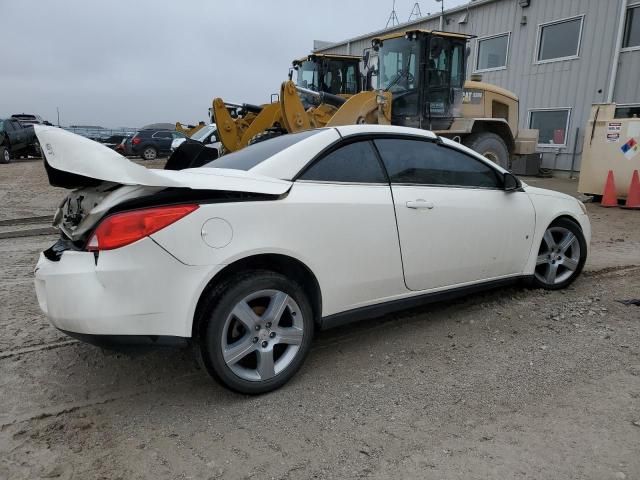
(455, 221)
(346, 220)
(163, 141)
(12, 134)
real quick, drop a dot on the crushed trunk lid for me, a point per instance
(73, 161)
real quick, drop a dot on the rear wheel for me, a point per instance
(149, 153)
(5, 155)
(257, 332)
(561, 255)
(491, 146)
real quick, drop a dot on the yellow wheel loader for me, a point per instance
(421, 84)
(327, 80)
(189, 130)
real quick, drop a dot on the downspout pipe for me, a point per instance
(616, 54)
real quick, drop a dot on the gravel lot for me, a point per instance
(516, 383)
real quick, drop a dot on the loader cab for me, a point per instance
(335, 74)
(425, 72)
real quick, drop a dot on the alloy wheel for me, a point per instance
(149, 154)
(262, 335)
(558, 257)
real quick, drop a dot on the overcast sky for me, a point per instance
(129, 63)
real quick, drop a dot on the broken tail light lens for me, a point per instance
(136, 140)
(125, 228)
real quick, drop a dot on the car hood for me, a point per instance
(73, 161)
(547, 193)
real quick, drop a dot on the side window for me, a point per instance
(355, 162)
(177, 135)
(7, 126)
(162, 135)
(16, 125)
(427, 163)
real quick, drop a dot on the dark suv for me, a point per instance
(148, 144)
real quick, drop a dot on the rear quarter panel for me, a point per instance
(350, 245)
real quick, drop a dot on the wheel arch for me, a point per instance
(276, 262)
(498, 126)
(566, 216)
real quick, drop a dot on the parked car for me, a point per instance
(112, 141)
(124, 147)
(248, 255)
(27, 119)
(148, 144)
(206, 136)
(16, 140)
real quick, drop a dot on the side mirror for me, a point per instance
(511, 183)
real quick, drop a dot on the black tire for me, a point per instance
(5, 155)
(264, 136)
(491, 146)
(149, 153)
(222, 301)
(579, 258)
(36, 150)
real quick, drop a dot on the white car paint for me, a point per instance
(72, 153)
(346, 234)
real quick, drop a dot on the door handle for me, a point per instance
(420, 203)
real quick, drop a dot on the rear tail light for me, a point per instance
(124, 228)
(136, 140)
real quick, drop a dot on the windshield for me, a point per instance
(397, 63)
(339, 76)
(203, 133)
(308, 75)
(249, 157)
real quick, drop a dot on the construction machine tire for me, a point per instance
(263, 136)
(491, 146)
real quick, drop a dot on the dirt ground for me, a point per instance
(514, 384)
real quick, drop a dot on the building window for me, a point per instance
(632, 28)
(552, 125)
(628, 111)
(492, 53)
(559, 40)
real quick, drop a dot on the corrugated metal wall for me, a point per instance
(574, 84)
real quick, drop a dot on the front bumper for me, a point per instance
(139, 289)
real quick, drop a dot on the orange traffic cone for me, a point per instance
(609, 197)
(633, 197)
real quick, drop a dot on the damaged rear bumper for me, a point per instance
(137, 290)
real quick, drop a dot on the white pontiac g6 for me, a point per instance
(246, 256)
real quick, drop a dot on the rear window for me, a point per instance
(250, 156)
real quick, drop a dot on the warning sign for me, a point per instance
(631, 148)
(613, 137)
(614, 127)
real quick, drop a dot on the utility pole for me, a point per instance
(58, 110)
(441, 14)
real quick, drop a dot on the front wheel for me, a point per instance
(257, 332)
(5, 155)
(561, 256)
(490, 146)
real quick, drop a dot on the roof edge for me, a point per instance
(378, 33)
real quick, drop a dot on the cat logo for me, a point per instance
(472, 96)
